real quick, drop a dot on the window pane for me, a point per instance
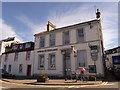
(81, 58)
(5, 67)
(6, 57)
(66, 38)
(42, 41)
(20, 68)
(28, 55)
(16, 56)
(51, 63)
(21, 46)
(80, 35)
(15, 47)
(9, 68)
(52, 39)
(27, 45)
(41, 61)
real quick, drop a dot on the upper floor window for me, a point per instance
(81, 58)
(28, 55)
(6, 57)
(41, 59)
(16, 56)
(52, 39)
(5, 67)
(66, 38)
(42, 41)
(51, 62)
(80, 35)
(15, 47)
(27, 45)
(21, 47)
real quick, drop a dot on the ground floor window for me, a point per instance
(51, 61)
(81, 58)
(41, 59)
(9, 68)
(20, 68)
(5, 67)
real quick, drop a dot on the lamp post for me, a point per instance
(64, 59)
(75, 55)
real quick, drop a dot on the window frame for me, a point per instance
(20, 68)
(6, 57)
(9, 68)
(28, 53)
(5, 67)
(42, 41)
(52, 39)
(27, 45)
(39, 61)
(66, 40)
(78, 58)
(16, 56)
(80, 36)
(49, 62)
(15, 47)
(21, 47)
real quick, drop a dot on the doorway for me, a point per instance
(67, 65)
(28, 70)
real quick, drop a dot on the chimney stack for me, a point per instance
(98, 14)
(50, 26)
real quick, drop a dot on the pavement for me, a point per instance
(52, 82)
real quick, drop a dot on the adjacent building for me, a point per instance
(63, 51)
(113, 57)
(4, 43)
(18, 59)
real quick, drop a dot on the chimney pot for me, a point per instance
(50, 26)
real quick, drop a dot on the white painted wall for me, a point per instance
(15, 64)
(92, 37)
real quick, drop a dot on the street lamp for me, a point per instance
(64, 59)
(75, 55)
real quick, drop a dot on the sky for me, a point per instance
(24, 19)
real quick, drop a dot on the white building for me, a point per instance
(4, 43)
(60, 51)
(18, 59)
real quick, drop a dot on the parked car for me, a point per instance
(117, 73)
(5, 74)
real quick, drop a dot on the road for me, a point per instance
(103, 86)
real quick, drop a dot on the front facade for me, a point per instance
(63, 51)
(18, 59)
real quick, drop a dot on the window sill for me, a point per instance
(51, 68)
(41, 68)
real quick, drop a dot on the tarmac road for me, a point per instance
(103, 86)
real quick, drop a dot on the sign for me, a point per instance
(94, 52)
(94, 56)
(48, 50)
(92, 68)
